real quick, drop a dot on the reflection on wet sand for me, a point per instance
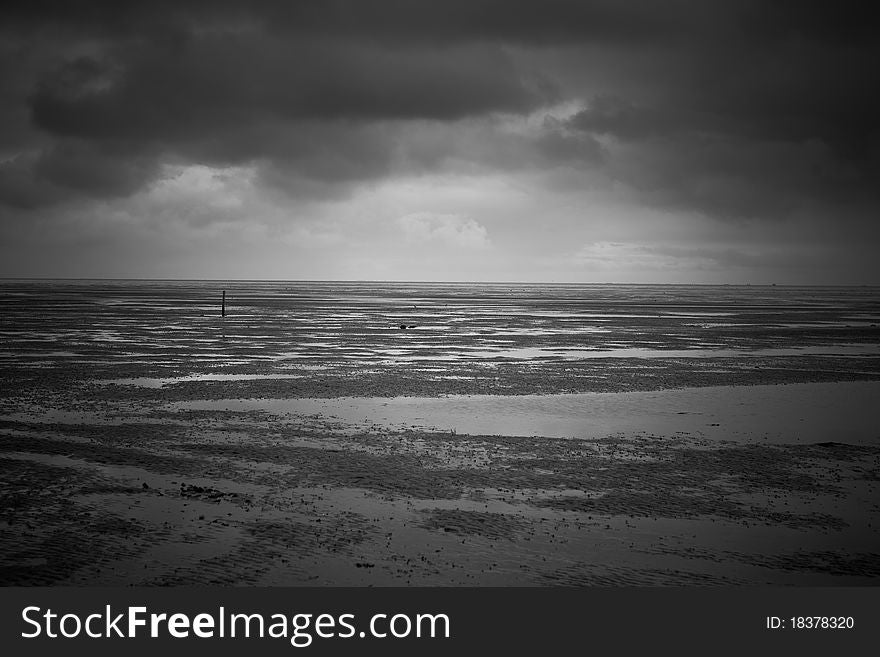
(797, 413)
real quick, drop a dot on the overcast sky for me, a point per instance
(493, 140)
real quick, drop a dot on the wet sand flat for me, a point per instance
(306, 439)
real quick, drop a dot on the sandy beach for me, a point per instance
(134, 453)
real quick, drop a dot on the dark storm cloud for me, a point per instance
(79, 166)
(407, 21)
(208, 84)
(621, 118)
(776, 115)
(744, 159)
(729, 108)
(733, 178)
(69, 169)
(547, 22)
(21, 189)
(217, 83)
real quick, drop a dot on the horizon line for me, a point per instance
(420, 282)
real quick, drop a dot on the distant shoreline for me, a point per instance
(411, 282)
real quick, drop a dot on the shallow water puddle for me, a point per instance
(797, 413)
(154, 382)
(573, 353)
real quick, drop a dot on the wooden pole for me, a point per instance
(223, 305)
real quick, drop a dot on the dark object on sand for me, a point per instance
(404, 326)
(223, 305)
